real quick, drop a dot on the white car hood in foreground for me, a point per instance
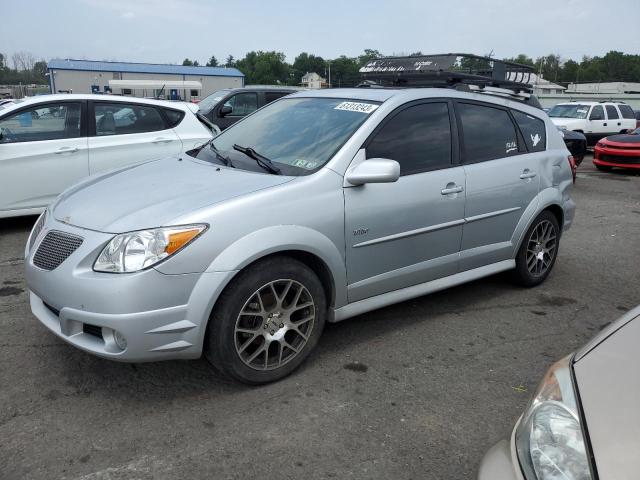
(154, 193)
(608, 382)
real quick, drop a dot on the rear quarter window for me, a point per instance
(533, 130)
(626, 111)
(174, 117)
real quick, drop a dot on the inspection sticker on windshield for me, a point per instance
(357, 107)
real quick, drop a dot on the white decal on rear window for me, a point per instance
(357, 107)
(535, 139)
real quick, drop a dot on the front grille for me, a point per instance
(619, 159)
(92, 330)
(55, 248)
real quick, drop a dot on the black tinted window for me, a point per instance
(597, 113)
(533, 130)
(44, 122)
(173, 116)
(488, 133)
(419, 138)
(626, 111)
(242, 104)
(123, 118)
(271, 96)
(612, 113)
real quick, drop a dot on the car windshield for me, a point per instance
(206, 104)
(569, 111)
(299, 135)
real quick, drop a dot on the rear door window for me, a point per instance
(488, 133)
(533, 130)
(242, 104)
(43, 122)
(612, 112)
(124, 118)
(418, 138)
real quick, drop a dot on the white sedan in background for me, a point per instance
(50, 142)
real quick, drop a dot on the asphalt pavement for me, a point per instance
(419, 390)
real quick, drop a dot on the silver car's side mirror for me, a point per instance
(374, 170)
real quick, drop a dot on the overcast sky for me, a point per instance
(165, 31)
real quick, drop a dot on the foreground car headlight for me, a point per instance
(549, 439)
(134, 251)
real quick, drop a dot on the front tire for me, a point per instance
(538, 251)
(267, 321)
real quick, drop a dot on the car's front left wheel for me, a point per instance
(267, 321)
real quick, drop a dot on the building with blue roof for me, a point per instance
(177, 82)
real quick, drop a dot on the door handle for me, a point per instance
(162, 140)
(619, 123)
(451, 188)
(527, 174)
(604, 124)
(66, 150)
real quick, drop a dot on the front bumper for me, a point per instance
(161, 316)
(617, 157)
(501, 462)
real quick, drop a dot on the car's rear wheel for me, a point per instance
(538, 251)
(603, 168)
(267, 321)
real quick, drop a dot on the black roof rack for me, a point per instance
(462, 71)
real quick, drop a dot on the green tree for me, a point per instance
(40, 71)
(230, 62)
(213, 62)
(345, 72)
(521, 59)
(367, 56)
(264, 68)
(187, 62)
(307, 63)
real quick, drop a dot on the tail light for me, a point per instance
(574, 168)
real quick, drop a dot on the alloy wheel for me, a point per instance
(274, 324)
(541, 248)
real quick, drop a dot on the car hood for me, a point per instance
(155, 193)
(606, 371)
(625, 138)
(568, 123)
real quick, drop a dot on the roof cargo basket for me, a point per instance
(461, 71)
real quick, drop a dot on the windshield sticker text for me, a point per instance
(511, 147)
(357, 107)
(306, 164)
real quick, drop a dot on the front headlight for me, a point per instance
(134, 251)
(549, 440)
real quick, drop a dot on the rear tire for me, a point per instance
(538, 251)
(603, 168)
(267, 321)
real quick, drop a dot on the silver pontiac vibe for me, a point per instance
(318, 207)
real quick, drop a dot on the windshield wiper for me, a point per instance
(219, 156)
(261, 160)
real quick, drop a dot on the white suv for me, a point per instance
(595, 120)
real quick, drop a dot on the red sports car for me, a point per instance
(621, 151)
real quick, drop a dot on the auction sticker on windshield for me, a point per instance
(357, 107)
